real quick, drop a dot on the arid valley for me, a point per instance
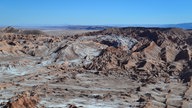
(130, 67)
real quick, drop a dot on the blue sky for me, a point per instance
(94, 12)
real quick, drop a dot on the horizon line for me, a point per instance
(41, 25)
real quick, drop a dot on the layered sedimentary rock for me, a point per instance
(140, 67)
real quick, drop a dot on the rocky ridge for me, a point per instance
(156, 60)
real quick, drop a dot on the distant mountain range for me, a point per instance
(101, 27)
(182, 25)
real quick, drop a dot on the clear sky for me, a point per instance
(94, 12)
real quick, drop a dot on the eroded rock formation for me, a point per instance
(141, 67)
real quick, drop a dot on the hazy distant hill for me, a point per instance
(67, 27)
(102, 27)
(183, 25)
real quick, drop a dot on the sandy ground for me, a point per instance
(65, 32)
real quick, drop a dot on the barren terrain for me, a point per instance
(129, 67)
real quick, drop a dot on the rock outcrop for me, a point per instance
(10, 29)
(26, 100)
(139, 67)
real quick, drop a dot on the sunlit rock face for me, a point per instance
(116, 67)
